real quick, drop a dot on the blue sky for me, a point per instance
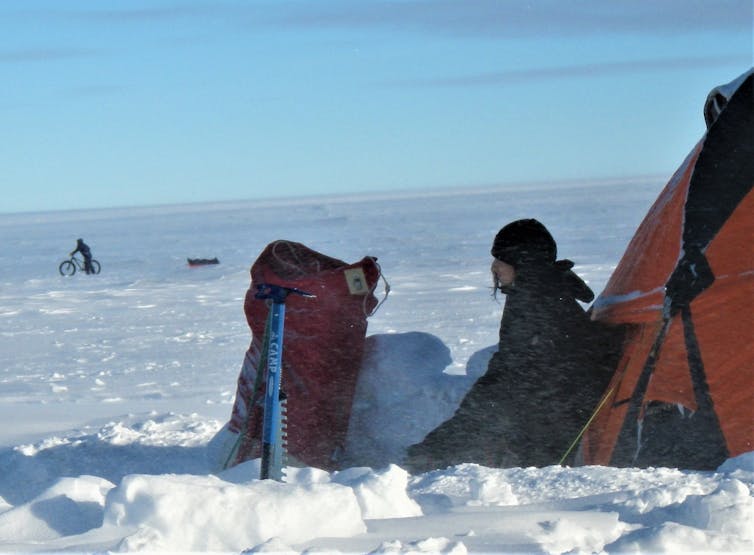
(118, 103)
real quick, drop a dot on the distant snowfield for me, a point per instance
(112, 386)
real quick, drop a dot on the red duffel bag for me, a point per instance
(323, 345)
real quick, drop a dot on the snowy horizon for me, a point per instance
(337, 197)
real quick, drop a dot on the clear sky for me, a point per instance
(131, 102)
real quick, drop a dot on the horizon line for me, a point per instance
(375, 194)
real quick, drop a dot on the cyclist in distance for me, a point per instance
(86, 252)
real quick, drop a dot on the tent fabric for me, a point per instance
(718, 97)
(683, 391)
(323, 345)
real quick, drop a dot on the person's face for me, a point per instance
(504, 273)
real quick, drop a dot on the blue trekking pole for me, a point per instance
(273, 445)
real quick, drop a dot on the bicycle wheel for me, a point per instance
(67, 268)
(95, 266)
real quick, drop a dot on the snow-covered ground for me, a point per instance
(112, 386)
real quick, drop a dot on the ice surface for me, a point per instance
(113, 385)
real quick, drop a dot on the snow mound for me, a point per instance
(380, 494)
(205, 513)
(71, 506)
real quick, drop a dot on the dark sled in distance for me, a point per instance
(202, 261)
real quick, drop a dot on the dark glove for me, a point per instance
(691, 276)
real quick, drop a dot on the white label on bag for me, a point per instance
(357, 281)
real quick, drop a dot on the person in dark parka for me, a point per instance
(551, 367)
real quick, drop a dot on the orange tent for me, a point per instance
(683, 391)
